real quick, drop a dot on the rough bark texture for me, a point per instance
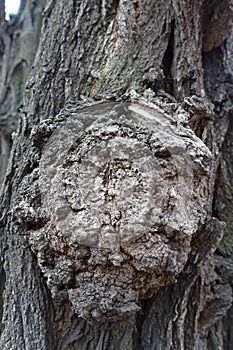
(19, 40)
(120, 178)
(119, 204)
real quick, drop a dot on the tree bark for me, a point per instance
(119, 180)
(19, 41)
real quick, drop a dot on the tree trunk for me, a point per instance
(119, 180)
(18, 45)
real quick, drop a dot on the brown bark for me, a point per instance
(97, 62)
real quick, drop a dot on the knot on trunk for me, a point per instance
(123, 190)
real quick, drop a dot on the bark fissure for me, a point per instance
(168, 59)
(2, 285)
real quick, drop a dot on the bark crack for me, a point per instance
(168, 59)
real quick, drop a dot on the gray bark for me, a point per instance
(18, 45)
(119, 181)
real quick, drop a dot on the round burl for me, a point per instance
(123, 188)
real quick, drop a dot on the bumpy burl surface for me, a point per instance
(123, 189)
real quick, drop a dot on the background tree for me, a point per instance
(120, 62)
